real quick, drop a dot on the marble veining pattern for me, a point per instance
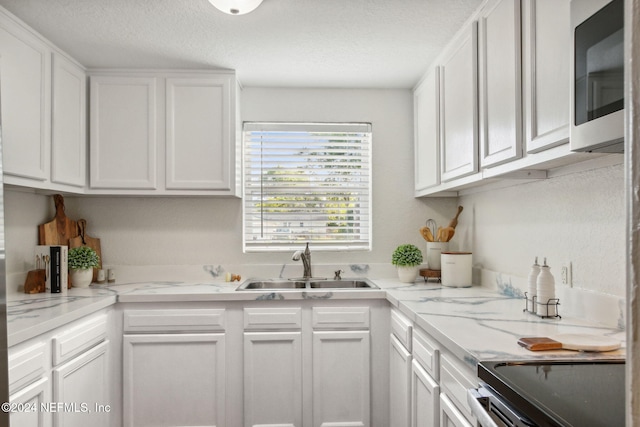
(477, 324)
(473, 323)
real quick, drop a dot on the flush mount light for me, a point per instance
(236, 7)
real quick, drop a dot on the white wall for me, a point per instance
(577, 218)
(197, 231)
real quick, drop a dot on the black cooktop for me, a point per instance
(561, 393)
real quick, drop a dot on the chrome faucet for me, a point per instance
(306, 261)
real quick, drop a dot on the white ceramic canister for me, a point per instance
(456, 269)
(434, 249)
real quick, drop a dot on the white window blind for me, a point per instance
(307, 182)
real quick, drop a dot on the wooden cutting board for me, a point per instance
(83, 239)
(578, 342)
(60, 229)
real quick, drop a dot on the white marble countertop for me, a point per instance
(474, 323)
(481, 324)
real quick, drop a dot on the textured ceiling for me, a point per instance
(283, 43)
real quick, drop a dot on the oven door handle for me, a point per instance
(478, 404)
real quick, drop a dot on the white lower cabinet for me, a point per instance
(173, 379)
(173, 367)
(32, 397)
(63, 377)
(425, 398)
(273, 379)
(82, 386)
(307, 366)
(455, 379)
(400, 358)
(450, 416)
(399, 383)
(341, 378)
(425, 373)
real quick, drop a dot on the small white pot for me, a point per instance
(408, 274)
(81, 278)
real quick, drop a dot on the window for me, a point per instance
(307, 182)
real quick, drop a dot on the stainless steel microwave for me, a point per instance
(597, 72)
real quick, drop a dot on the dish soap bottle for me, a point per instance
(546, 291)
(532, 288)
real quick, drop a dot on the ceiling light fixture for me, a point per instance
(236, 7)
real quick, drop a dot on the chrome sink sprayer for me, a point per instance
(306, 261)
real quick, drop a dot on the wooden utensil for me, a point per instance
(447, 233)
(426, 234)
(83, 239)
(60, 229)
(454, 221)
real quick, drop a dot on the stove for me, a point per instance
(543, 393)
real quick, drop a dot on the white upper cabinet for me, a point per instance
(500, 83)
(123, 132)
(546, 60)
(43, 111)
(160, 133)
(198, 132)
(427, 131)
(25, 70)
(503, 99)
(69, 129)
(459, 107)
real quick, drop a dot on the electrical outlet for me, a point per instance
(565, 274)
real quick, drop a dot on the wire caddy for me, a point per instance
(531, 304)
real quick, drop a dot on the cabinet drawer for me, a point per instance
(427, 353)
(178, 320)
(401, 327)
(455, 380)
(340, 317)
(78, 339)
(272, 318)
(27, 366)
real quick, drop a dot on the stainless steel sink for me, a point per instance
(360, 284)
(271, 284)
(257, 284)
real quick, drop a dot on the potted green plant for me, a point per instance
(407, 258)
(81, 261)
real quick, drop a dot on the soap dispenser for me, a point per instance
(545, 289)
(532, 288)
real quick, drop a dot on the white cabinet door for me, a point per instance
(82, 385)
(425, 398)
(25, 68)
(449, 414)
(546, 61)
(459, 106)
(500, 83)
(426, 122)
(198, 133)
(341, 378)
(69, 137)
(399, 384)
(273, 379)
(173, 380)
(29, 400)
(123, 132)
